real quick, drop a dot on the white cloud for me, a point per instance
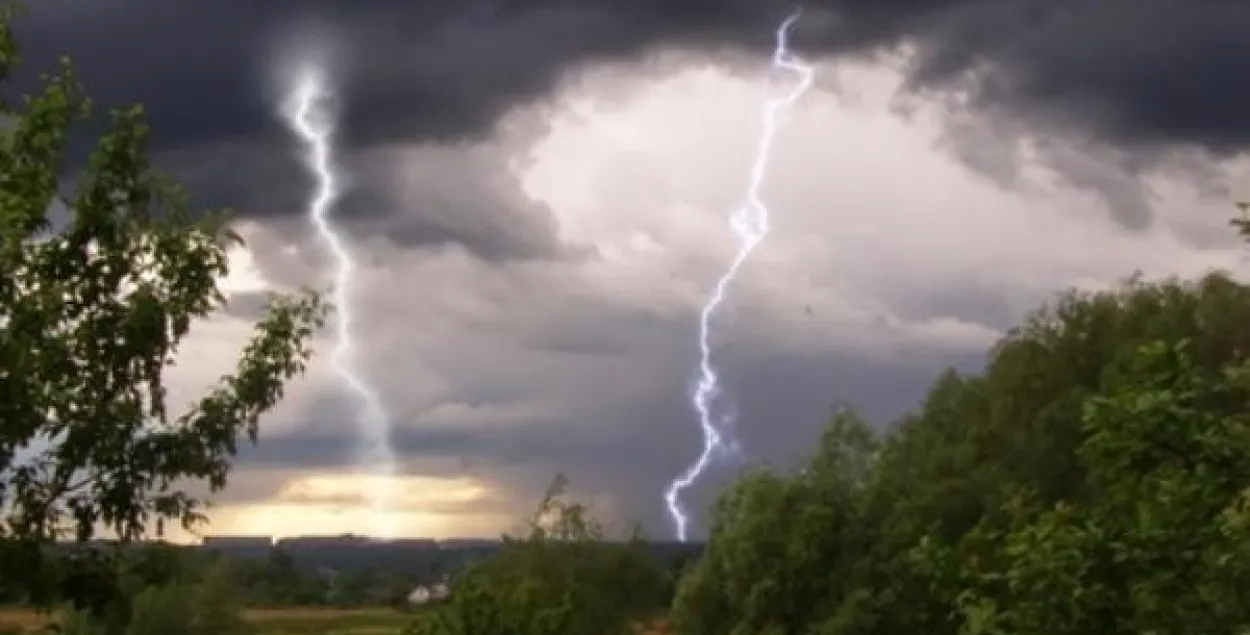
(872, 219)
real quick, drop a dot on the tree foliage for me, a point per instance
(92, 316)
(1158, 546)
(217, 607)
(1093, 479)
(562, 578)
(774, 539)
(161, 610)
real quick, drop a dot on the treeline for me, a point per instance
(1092, 480)
(328, 577)
(279, 579)
(119, 573)
(108, 597)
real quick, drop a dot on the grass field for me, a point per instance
(301, 621)
(294, 621)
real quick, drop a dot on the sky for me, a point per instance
(538, 201)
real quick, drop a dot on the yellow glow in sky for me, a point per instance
(338, 503)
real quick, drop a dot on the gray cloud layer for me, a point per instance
(511, 340)
(1140, 74)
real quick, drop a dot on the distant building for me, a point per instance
(419, 595)
(429, 593)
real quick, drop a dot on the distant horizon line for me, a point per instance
(274, 539)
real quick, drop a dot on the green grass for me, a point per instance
(309, 621)
(290, 621)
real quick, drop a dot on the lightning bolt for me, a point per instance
(749, 223)
(308, 117)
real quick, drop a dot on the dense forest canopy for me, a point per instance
(1091, 480)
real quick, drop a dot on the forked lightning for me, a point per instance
(750, 224)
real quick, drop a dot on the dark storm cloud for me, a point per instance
(427, 70)
(317, 445)
(1140, 71)
(1132, 73)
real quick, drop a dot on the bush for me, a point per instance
(210, 607)
(217, 609)
(79, 622)
(162, 611)
(562, 579)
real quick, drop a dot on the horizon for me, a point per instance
(352, 539)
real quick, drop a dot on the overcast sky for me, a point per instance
(538, 204)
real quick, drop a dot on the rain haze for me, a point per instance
(537, 203)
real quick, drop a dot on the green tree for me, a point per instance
(217, 606)
(1159, 544)
(995, 480)
(783, 549)
(158, 564)
(162, 610)
(560, 579)
(76, 622)
(94, 583)
(209, 607)
(92, 315)
(964, 458)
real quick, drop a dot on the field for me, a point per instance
(296, 621)
(293, 621)
(328, 621)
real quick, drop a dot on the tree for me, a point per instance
(560, 579)
(217, 608)
(159, 564)
(979, 443)
(75, 622)
(208, 607)
(1092, 479)
(783, 549)
(92, 315)
(1160, 545)
(162, 610)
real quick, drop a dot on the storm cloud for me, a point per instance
(537, 196)
(1153, 77)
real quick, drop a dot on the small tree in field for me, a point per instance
(92, 315)
(217, 608)
(561, 579)
(161, 610)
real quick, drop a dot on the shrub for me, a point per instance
(161, 611)
(562, 579)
